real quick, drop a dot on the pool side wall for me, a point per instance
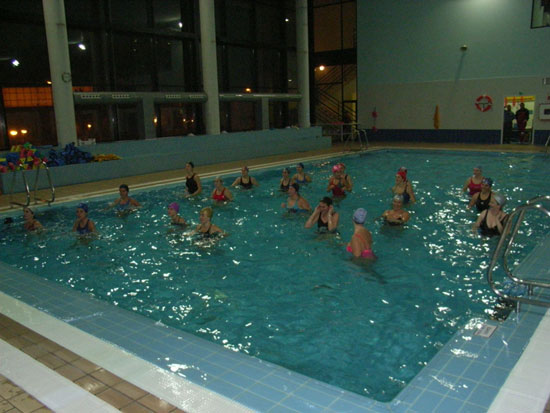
(154, 155)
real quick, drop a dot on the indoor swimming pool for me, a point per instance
(288, 295)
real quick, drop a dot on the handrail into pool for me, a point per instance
(27, 190)
(546, 144)
(507, 230)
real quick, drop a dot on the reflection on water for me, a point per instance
(290, 295)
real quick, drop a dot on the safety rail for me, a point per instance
(546, 144)
(35, 190)
(346, 133)
(511, 228)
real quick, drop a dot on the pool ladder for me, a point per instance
(511, 229)
(546, 144)
(27, 190)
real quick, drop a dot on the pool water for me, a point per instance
(286, 294)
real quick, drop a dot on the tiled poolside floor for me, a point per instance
(88, 380)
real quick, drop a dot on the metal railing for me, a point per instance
(345, 133)
(511, 229)
(546, 144)
(27, 190)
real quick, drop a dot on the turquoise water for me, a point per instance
(277, 291)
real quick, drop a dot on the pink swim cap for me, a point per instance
(336, 168)
(174, 206)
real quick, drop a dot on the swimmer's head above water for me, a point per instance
(360, 216)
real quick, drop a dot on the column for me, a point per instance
(60, 70)
(209, 66)
(302, 57)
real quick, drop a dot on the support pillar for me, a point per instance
(60, 71)
(302, 57)
(209, 66)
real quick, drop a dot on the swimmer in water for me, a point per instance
(245, 181)
(206, 228)
(473, 183)
(285, 180)
(300, 177)
(483, 198)
(346, 177)
(397, 215)
(220, 192)
(124, 203)
(403, 186)
(29, 222)
(295, 202)
(173, 211)
(491, 221)
(193, 186)
(360, 245)
(83, 225)
(337, 183)
(324, 215)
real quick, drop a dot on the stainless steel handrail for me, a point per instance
(518, 212)
(52, 189)
(546, 144)
(28, 193)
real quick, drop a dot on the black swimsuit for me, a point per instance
(191, 184)
(489, 232)
(321, 224)
(248, 185)
(483, 204)
(284, 187)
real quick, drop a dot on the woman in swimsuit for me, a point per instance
(83, 225)
(397, 215)
(220, 192)
(295, 202)
(173, 211)
(206, 228)
(347, 178)
(324, 215)
(473, 183)
(360, 245)
(285, 180)
(245, 181)
(403, 187)
(483, 198)
(192, 181)
(491, 221)
(300, 177)
(30, 223)
(337, 183)
(124, 203)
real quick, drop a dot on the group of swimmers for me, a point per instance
(490, 221)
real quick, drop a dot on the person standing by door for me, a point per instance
(522, 116)
(508, 124)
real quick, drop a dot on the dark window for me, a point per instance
(238, 116)
(33, 124)
(133, 62)
(87, 65)
(167, 15)
(178, 119)
(130, 13)
(88, 12)
(239, 21)
(240, 62)
(269, 71)
(269, 24)
(170, 69)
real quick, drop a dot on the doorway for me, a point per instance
(517, 123)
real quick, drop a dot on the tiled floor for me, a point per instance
(108, 387)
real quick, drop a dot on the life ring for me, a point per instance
(484, 103)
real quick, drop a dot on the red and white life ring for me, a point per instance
(484, 103)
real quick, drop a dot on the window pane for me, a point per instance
(28, 7)
(179, 119)
(239, 20)
(38, 122)
(93, 123)
(87, 66)
(129, 12)
(240, 64)
(169, 54)
(269, 23)
(326, 25)
(27, 44)
(237, 116)
(349, 21)
(133, 62)
(292, 70)
(89, 12)
(167, 15)
(269, 71)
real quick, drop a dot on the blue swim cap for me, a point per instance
(83, 206)
(487, 181)
(359, 216)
